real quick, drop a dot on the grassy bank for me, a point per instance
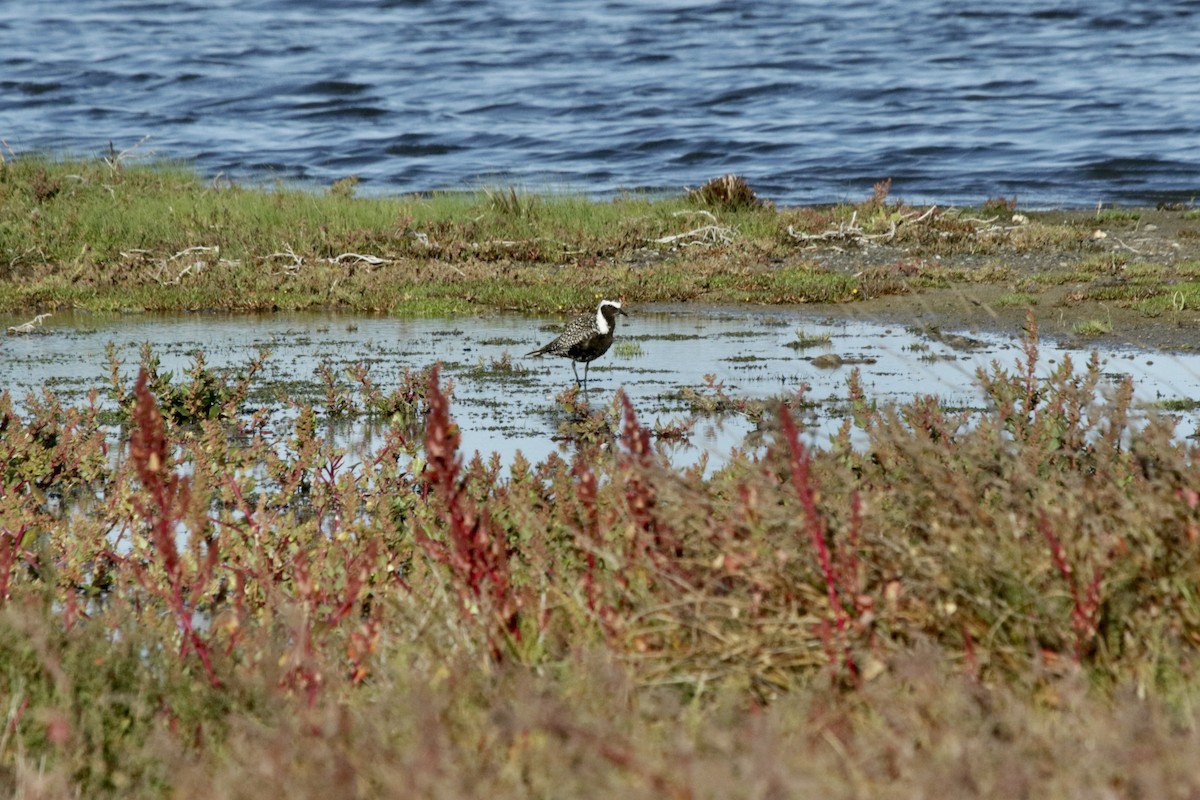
(997, 605)
(108, 235)
(105, 236)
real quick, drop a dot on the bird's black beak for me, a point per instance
(622, 312)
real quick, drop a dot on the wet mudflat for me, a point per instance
(504, 402)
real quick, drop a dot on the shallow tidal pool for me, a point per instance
(504, 402)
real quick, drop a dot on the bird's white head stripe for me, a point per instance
(601, 322)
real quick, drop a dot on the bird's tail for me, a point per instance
(541, 351)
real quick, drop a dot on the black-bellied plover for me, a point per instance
(585, 338)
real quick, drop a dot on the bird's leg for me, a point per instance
(586, 364)
(576, 371)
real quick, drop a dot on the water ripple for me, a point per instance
(1060, 104)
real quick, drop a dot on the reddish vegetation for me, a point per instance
(475, 551)
(164, 504)
(244, 601)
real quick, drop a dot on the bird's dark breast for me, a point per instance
(591, 349)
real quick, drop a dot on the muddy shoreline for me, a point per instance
(1067, 285)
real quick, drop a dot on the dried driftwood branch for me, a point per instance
(705, 235)
(853, 233)
(28, 327)
(374, 261)
(297, 261)
(197, 249)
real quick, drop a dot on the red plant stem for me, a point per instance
(14, 721)
(477, 555)
(585, 483)
(10, 545)
(848, 564)
(641, 497)
(802, 481)
(969, 653)
(1086, 604)
(169, 496)
(357, 568)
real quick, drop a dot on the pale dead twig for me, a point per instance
(887, 237)
(853, 233)
(850, 232)
(928, 213)
(1127, 247)
(989, 226)
(705, 235)
(297, 261)
(696, 213)
(374, 261)
(28, 327)
(185, 271)
(196, 249)
(979, 221)
(516, 242)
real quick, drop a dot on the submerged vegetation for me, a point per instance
(998, 603)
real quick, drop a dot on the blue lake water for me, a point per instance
(1058, 102)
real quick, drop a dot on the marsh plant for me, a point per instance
(215, 614)
(199, 393)
(713, 399)
(628, 349)
(805, 340)
(1092, 327)
(506, 365)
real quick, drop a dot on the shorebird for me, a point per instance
(585, 338)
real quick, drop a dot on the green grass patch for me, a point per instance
(1118, 215)
(113, 235)
(106, 237)
(1061, 277)
(1124, 293)
(1179, 405)
(1092, 327)
(1101, 263)
(628, 349)
(1016, 300)
(805, 340)
(1176, 298)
